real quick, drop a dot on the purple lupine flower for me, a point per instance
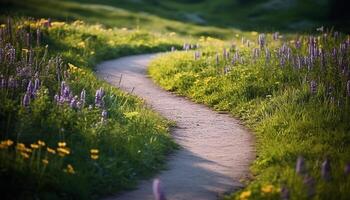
(262, 40)
(99, 98)
(347, 169)
(104, 115)
(298, 44)
(300, 166)
(275, 36)
(326, 170)
(3, 83)
(310, 185)
(285, 193)
(56, 98)
(348, 88)
(26, 100)
(83, 97)
(196, 55)
(30, 88)
(36, 84)
(66, 94)
(313, 87)
(12, 83)
(73, 102)
(158, 190)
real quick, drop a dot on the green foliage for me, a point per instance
(276, 100)
(54, 149)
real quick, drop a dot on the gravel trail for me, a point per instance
(216, 150)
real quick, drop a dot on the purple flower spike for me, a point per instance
(26, 100)
(300, 166)
(98, 98)
(36, 84)
(348, 88)
(347, 169)
(313, 87)
(326, 170)
(158, 190)
(73, 102)
(310, 185)
(30, 88)
(285, 193)
(83, 97)
(262, 40)
(104, 115)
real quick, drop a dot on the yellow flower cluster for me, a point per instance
(269, 189)
(73, 68)
(131, 115)
(69, 169)
(94, 154)
(5, 144)
(245, 195)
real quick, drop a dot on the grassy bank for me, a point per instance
(293, 91)
(65, 134)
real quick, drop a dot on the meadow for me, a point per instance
(293, 91)
(67, 135)
(64, 133)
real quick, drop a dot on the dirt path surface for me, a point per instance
(216, 150)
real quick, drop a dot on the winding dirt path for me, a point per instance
(216, 150)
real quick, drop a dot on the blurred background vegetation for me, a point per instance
(260, 15)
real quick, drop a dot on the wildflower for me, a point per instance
(131, 115)
(34, 146)
(62, 144)
(267, 189)
(94, 151)
(94, 156)
(310, 185)
(45, 161)
(63, 151)
(26, 100)
(41, 143)
(300, 166)
(313, 87)
(348, 88)
(326, 170)
(285, 193)
(70, 169)
(158, 190)
(173, 49)
(262, 40)
(36, 84)
(245, 194)
(25, 155)
(20, 147)
(7, 142)
(98, 98)
(347, 169)
(104, 115)
(52, 151)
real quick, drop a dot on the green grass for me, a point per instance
(132, 141)
(288, 120)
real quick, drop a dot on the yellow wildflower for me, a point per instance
(20, 147)
(51, 150)
(2, 25)
(81, 44)
(65, 150)
(130, 115)
(245, 195)
(34, 146)
(70, 169)
(25, 155)
(25, 50)
(41, 143)
(62, 144)
(57, 24)
(267, 188)
(28, 150)
(45, 161)
(94, 156)
(7, 143)
(94, 151)
(3, 146)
